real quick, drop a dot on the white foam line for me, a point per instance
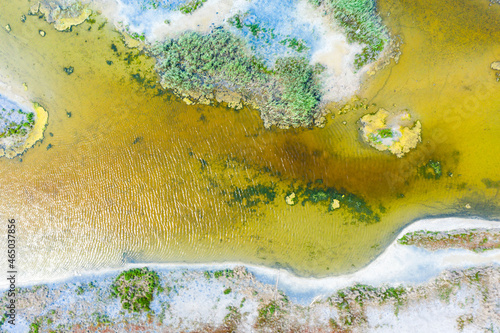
(398, 264)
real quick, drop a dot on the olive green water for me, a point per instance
(126, 172)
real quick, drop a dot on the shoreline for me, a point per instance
(397, 264)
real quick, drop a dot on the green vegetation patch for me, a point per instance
(191, 6)
(80, 290)
(431, 170)
(100, 318)
(232, 319)
(361, 25)
(16, 128)
(227, 273)
(202, 62)
(237, 20)
(136, 36)
(299, 95)
(4, 318)
(395, 293)
(35, 327)
(351, 301)
(287, 95)
(464, 320)
(254, 28)
(385, 133)
(373, 138)
(295, 44)
(135, 288)
(257, 29)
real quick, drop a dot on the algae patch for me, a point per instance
(253, 195)
(431, 170)
(393, 132)
(335, 199)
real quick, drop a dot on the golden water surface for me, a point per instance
(128, 173)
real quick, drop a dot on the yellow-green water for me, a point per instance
(136, 175)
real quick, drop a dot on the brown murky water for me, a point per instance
(127, 172)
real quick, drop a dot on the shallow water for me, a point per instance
(128, 173)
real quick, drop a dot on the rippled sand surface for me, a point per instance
(128, 173)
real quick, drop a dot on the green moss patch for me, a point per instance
(135, 288)
(295, 44)
(268, 313)
(385, 133)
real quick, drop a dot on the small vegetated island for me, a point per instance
(21, 125)
(396, 132)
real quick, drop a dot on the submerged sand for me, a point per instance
(406, 289)
(397, 264)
